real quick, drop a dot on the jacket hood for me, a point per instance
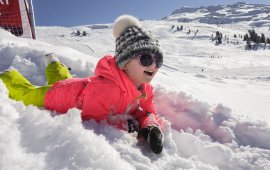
(107, 68)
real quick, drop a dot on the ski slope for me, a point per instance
(213, 102)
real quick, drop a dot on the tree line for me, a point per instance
(252, 36)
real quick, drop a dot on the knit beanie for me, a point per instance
(132, 39)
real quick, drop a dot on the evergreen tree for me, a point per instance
(248, 45)
(217, 34)
(262, 38)
(268, 40)
(78, 33)
(181, 27)
(253, 35)
(218, 37)
(246, 37)
(258, 39)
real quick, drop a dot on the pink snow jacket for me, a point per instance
(109, 95)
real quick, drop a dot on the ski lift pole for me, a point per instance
(32, 18)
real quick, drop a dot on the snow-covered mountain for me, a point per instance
(254, 14)
(213, 100)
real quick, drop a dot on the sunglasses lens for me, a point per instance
(159, 61)
(146, 60)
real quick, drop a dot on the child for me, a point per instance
(119, 92)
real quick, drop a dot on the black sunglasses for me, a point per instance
(147, 60)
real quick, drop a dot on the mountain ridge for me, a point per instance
(224, 14)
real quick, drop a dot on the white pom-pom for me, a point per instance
(123, 22)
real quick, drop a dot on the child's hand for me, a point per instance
(154, 138)
(133, 125)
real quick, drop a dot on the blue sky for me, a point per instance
(83, 12)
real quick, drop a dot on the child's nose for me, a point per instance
(153, 65)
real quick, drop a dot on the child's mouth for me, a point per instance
(149, 73)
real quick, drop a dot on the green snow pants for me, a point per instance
(20, 89)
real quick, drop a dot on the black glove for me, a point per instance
(133, 125)
(153, 136)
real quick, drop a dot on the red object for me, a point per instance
(10, 16)
(109, 95)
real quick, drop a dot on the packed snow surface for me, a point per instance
(213, 101)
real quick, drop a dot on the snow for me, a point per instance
(222, 14)
(214, 110)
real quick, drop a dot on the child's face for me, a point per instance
(140, 74)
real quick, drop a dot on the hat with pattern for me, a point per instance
(132, 39)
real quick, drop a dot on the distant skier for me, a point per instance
(172, 28)
(119, 92)
(195, 34)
